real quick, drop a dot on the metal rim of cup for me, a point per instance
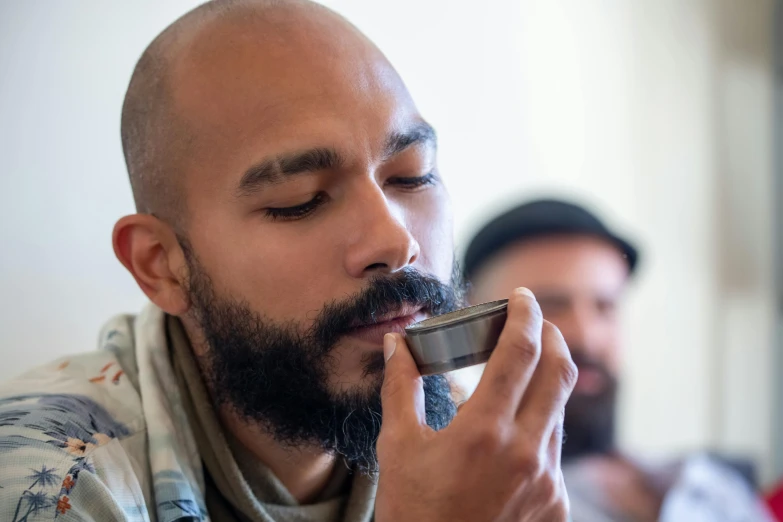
(461, 316)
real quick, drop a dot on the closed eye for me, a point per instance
(297, 211)
(415, 182)
(409, 183)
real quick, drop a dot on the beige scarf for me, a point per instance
(239, 487)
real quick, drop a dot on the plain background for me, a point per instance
(656, 112)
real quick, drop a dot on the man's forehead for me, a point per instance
(240, 66)
(237, 94)
(248, 93)
(561, 264)
(561, 251)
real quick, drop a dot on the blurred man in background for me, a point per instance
(579, 271)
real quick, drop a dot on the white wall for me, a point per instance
(659, 110)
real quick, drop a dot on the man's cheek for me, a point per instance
(434, 234)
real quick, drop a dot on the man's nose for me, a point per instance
(380, 241)
(579, 332)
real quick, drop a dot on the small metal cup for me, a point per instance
(457, 339)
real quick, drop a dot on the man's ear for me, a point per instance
(149, 249)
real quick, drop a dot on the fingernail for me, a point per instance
(389, 345)
(524, 291)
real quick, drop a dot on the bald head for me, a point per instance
(174, 84)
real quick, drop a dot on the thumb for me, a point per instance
(402, 394)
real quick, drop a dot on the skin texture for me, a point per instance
(254, 88)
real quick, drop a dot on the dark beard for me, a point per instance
(277, 375)
(589, 423)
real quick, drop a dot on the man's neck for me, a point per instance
(305, 472)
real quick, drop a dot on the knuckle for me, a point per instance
(527, 463)
(568, 372)
(557, 349)
(524, 343)
(523, 333)
(486, 439)
(527, 347)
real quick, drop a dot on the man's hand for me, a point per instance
(499, 459)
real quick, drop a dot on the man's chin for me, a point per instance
(362, 384)
(364, 378)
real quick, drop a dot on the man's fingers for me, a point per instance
(549, 492)
(540, 412)
(402, 394)
(514, 360)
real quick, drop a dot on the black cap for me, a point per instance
(546, 217)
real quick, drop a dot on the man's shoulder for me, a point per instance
(86, 397)
(65, 421)
(99, 387)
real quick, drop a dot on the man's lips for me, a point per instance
(390, 323)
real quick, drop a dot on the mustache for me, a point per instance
(385, 295)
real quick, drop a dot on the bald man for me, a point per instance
(291, 222)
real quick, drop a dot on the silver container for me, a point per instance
(457, 339)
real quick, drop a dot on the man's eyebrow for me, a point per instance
(278, 169)
(420, 134)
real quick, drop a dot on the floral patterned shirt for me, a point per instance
(100, 436)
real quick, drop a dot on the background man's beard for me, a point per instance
(589, 423)
(277, 375)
